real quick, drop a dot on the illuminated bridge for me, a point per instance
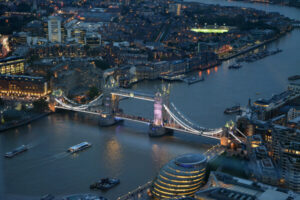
(167, 117)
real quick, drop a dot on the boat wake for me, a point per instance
(48, 160)
(35, 143)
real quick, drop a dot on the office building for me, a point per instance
(12, 65)
(182, 176)
(15, 86)
(54, 29)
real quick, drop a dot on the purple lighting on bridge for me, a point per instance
(158, 112)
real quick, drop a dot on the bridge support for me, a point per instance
(110, 106)
(107, 120)
(156, 128)
(157, 131)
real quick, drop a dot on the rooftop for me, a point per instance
(21, 78)
(189, 160)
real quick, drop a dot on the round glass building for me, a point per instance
(182, 176)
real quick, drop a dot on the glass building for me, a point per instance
(182, 176)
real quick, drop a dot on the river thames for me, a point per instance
(125, 151)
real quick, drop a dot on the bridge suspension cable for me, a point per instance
(77, 107)
(188, 120)
(83, 105)
(231, 133)
(68, 106)
(238, 130)
(181, 123)
(202, 131)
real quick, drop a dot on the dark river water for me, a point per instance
(125, 150)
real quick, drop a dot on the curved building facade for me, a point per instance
(182, 176)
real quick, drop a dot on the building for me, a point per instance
(175, 8)
(267, 172)
(182, 176)
(223, 194)
(227, 187)
(295, 87)
(293, 113)
(12, 65)
(19, 38)
(54, 29)
(286, 153)
(92, 39)
(23, 86)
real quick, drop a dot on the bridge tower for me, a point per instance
(110, 106)
(160, 117)
(110, 102)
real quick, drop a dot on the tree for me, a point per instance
(101, 64)
(11, 115)
(2, 102)
(93, 92)
(40, 105)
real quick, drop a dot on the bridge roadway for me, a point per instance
(176, 120)
(133, 118)
(133, 94)
(145, 121)
(75, 110)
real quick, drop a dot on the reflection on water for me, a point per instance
(216, 68)
(208, 71)
(160, 154)
(200, 73)
(113, 152)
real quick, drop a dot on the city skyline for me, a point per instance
(149, 100)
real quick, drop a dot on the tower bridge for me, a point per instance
(166, 116)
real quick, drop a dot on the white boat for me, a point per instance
(16, 151)
(79, 147)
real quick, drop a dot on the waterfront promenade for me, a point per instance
(140, 193)
(22, 122)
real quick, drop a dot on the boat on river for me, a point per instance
(16, 151)
(193, 79)
(235, 66)
(79, 147)
(105, 183)
(233, 110)
(293, 78)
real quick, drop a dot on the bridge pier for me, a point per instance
(157, 131)
(107, 120)
(110, 106)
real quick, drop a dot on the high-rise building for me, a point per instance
(175, 8)
(286, 152)
(54, 29)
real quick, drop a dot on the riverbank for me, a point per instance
(255, 46)
(22, 122)
(290, 4)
